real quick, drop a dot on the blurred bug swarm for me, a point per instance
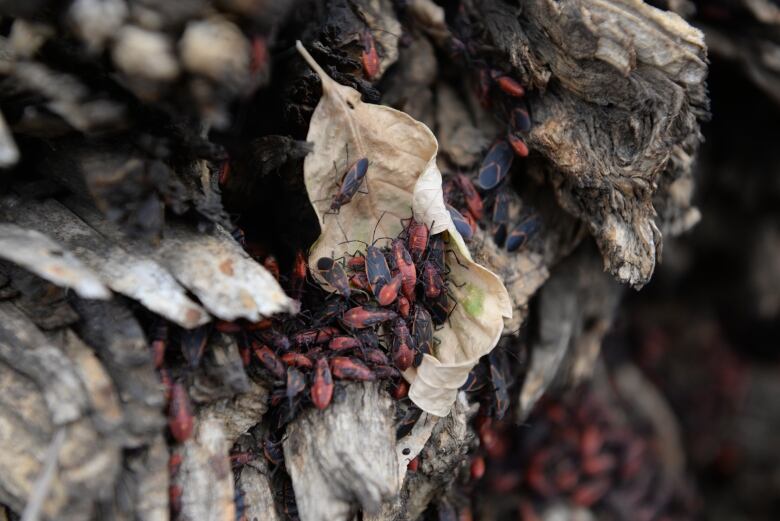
(317, 259)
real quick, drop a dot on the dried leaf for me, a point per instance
(402, 180)
(36, 252)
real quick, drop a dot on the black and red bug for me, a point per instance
(417, 235)
(500, 217)
(322, 386)
(193, 344)
(519, 235)
(518, 144)
(180, 414)
(357, 263)
(343, 343)
(359, 281)
(334, 273)
(377, 270)
(330, 311)
(405, 265)
(433, 283)
(270, 361)
(297, 360)
(224, 173)
(510, 86)
(439, 308)
(520, 120)
(296, 383)
(422, 330)
(473, 199)
(259, 55)
(375, 356)
(361, 317)
(272, 265)
(437, 252)
(275, 338)
(368, 338)
(389, 292)
(461, 224)
(404, 307)
(349, 184)
(400, 390)
(495, 166)
(498, 371)
(298, 276)
(346, 368)
(314, 336)
(403, 345)
(369, 55)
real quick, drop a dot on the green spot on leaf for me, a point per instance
(474, 301)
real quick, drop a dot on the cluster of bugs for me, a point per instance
(574, 450)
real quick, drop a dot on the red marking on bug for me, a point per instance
(350, 369)
(389, 292)
(361, 317)
(158, 352)
(404, 308)
(343, 343)
(180, 417)
(297, 360)
(369, 56)
(239, 459)
(417, 239)
(401, 390)
(477, 467)
(224, 326)
(322, 388)
(414, 464)
(270, 361)
(357, 263)
(473, 199)
(510, 86)
(403, 261)
(590, 441)
(298, 277)
(314, 336)
(518, 145)
(359, 280)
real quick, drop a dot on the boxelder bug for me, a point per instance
(322, 387)
(402, 346)
(520, 233)
(404, 307)
(422, 330)
(432, 280)
(335, 275)
(417, 239)
(374, 356)
(273, 452)
(361, 317)
(359, 280)
(461, 224)
(436, 252)
(518, 145)
(369, 56)
(405, 265)
(377, 269)
(159, 343)
(510, 86)
(270, 361)
(297, 360)
(298, 277)
(314, 336)
(500, 217)
(389, 292)
(330, 312)
(495, 166)
(400, 390)
(357, 263)
(342, 343)
(521, 121)
(349, 185)
(473, 199)
(439, 308)
(350, 369)
(272, 265)
(295, 383)
(275, 338)
(180, 418)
